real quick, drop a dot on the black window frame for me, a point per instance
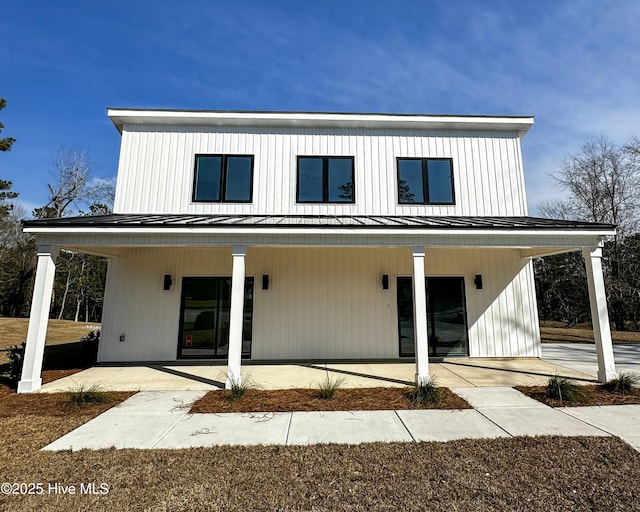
(325, 179)
(223, 178)
(425, 181)
(430, 312)
(248, 307)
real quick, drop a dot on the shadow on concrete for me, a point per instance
(513, 370)
(185, 375)
(357, 374)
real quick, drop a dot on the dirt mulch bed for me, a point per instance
(287, 400)
(51, 375)
(595, 395)
(574, 335)
(47, 376)
(52, 404)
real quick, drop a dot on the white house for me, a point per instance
(316, 236)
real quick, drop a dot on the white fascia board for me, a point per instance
(121, 117)
(314, 231)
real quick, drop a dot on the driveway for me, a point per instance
(581, 357)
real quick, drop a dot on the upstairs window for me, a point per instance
(325, 179)
(223, 178)
(425, 181)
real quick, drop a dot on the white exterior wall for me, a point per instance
(156, 170)
(321, 303)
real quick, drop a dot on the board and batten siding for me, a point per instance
(322, 303)
(156, 169)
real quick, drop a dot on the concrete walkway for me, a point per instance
(157, 419)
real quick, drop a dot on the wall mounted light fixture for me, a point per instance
(168, 281)
(478, 281)
(265, 281)
(385, 281)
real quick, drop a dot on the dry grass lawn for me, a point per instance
(524, 474)
(557, 334)
(285, 400)
(13, 331)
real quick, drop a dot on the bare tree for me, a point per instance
(603, 182)
(603, 185)
(75, 188)
(74, 185)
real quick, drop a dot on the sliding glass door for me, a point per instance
(446, 316)
(205, 314)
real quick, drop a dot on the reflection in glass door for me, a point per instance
(446, 316)
(205, 315)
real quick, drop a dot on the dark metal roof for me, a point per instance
(318, 221)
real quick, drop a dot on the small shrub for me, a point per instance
(15, 353)
(91, 338)
(425, 393)
(89, 347)
(81, 396)
(564, 389)
(329, 386)
(624, 383)
(239, 387)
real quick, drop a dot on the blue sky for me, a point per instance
(574, 65)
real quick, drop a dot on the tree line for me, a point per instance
(79, 282)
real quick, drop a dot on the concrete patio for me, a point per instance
(453, 373)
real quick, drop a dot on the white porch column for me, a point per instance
(236, 317)
(599, 313)
(420, 317)
(31, 379)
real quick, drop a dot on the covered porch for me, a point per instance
(455, 372)
(492, 257)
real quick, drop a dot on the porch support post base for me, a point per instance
(422, 380)
(599, 313)
(38, 320)
(420, 317)
(29, 386)
(236, 316)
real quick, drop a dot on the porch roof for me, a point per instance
(449, 223)
(106, 235)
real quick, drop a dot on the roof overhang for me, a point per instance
(534, 236)
(514, 124)
(239, 230)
